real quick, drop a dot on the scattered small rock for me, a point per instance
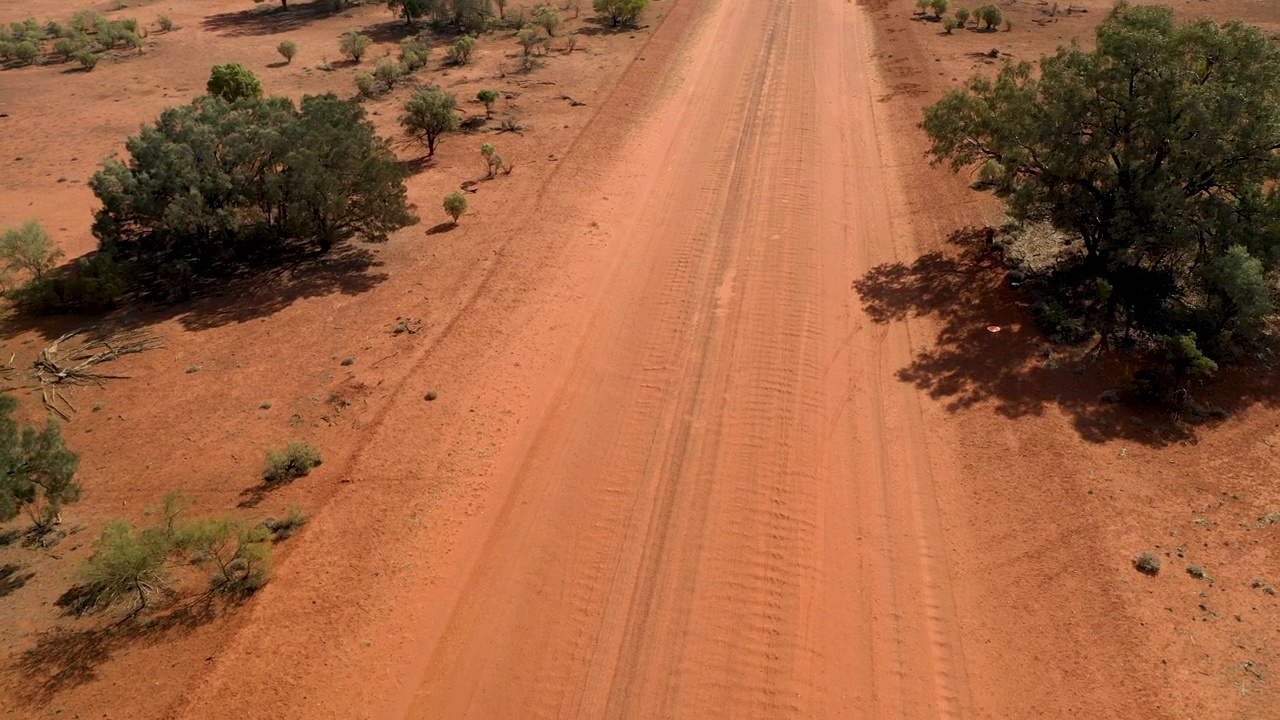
(348, 361)
(431, 395)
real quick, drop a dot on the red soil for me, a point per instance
(720, 430)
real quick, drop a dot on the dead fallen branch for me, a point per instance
(72, 359)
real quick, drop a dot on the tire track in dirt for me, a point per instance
(728, 511)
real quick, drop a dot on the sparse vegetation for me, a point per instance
(164, 23)
(388, 74)
(287, 49)
(939, 8)
(26, 249)
(127, 564)
(429, 115)
(296, 459)
(962, 16)
(455, 204)
(366, 84)
(529, 38)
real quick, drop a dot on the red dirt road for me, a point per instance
(728, 510)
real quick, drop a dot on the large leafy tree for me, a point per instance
(1157, 151)
(37, 471)
(216, 183)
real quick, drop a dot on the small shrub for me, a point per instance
(547, 18)
(510, 123)
(237, 557)
(514, 18)
(166, 25)
(233, 82)
(1197, 572)
(990, 16)
(461, 51)
(26, 51)
(28, 249)
(86, 20)
(293, 461)
(962, 16)
(455, 204)
(127, 565)
(388, 73)
(1148, 563)
(68, 47)
(6, 50)
(414, 53)
(366, 85)
(87, 59)
(285, 527)
(353, 44)
(571, 42)
(488, 97)
(287, 49)
(949, 24)
(939, 7)
(529, 38)
(1008, 25)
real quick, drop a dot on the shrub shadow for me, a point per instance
(11, 579)
(442, 228)
(1015, 370)
(268, 20)
(65, 658)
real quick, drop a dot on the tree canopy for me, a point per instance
(214, 184)
(1157, 151)
(232, 82)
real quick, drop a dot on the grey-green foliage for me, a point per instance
(287, 49)
(388, 74)
(37, 471)
(237, 555)
(218, 185)
(414, 53)
(1157, 150)
(354, 45)
(460, 52)
(428, 115)
(233, 82)
(290, 462)
(989, 15)
(547, 18)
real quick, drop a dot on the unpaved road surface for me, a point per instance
(728, 509)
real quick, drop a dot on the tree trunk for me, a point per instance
(284, 4)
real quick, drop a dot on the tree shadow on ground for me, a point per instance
(602, 25)
(442, 228)
(268, 20)
(1014, 369)
(65, 658)
(11, 579)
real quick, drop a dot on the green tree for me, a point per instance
(1156, 150)
(488, 97)
(529, 38)
(962, 16)
(287, 49)
(455, 203)
(27, 249)
(428, 115)
(470, 16)
(989, 15)
(37, 471)
(238, 557)
(354, 45)
(413, 10)
(939, 7)
(127, 564)
(216, 185)
(233, 82)
(620, 12)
